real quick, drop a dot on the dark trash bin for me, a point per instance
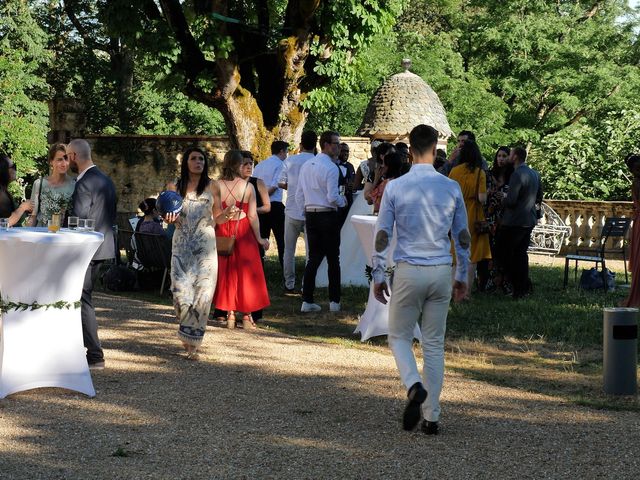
(620, 351)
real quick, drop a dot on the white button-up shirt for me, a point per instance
(289, 175)
(425, 206)
(268, 171)
(318, 184)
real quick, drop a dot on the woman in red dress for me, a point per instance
(241, 287)
(633, 300)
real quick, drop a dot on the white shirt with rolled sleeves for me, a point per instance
(268, 170)
(318, 184)
(289, 175)
(425, 206)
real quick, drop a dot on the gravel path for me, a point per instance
(263, 405)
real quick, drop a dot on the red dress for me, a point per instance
(633, 300)
(241, 285)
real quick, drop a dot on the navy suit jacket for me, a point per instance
(94, 197)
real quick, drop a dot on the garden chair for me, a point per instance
(614, 228)
(147, 252)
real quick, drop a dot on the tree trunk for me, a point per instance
(243, 116)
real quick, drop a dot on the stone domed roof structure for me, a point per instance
(403, 101)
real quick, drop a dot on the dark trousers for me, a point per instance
(512, 243)
(89, 322)
(323, 233)
(274, 222)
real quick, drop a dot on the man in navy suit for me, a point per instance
(94, 197)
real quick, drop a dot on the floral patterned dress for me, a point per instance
(194, 266)
(49, 199)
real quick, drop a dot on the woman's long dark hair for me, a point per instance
(4, 172)
(502, 171)
(470, 155)
(183, 181)
(394, 162)
(385, 148)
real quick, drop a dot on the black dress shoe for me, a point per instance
(416, 395)
(429, 428)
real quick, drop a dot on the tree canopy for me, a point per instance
(560, 77)
(23, 90)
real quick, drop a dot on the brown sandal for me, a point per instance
(231, 320)
(248, 323)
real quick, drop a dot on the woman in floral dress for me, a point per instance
(52, 194)
(497, 188)
(194, 261)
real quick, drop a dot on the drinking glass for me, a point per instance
(89, 225)
(53, 226)
(4, 224)
(73, 223)
(82, 224)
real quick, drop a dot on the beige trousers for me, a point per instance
(420, 294)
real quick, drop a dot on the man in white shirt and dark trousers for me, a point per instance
(318, 191)
(424, 206)
(293, 212)
(268, 171)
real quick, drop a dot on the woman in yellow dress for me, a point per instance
(473, 183)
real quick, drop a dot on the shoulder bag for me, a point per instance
(225, 245)
(481, 227)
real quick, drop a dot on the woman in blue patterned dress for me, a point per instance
(194, 260)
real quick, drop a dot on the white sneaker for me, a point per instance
(334, 307)
(310, 307)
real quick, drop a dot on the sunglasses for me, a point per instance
(249, 162)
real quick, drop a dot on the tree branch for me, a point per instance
(192, 62)
(86, 38)
(591, 12)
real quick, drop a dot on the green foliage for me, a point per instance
(559, 77)
(89, 66)
(23, 91)
(586, 161)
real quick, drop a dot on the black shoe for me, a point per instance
(96, 365)
(291, 291)
(416, 395)
(429, 428)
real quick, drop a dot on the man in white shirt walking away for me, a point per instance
(318, 192)
(293, 212)
(268, 171)
(424, 206)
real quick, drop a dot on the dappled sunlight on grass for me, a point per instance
(536, 366)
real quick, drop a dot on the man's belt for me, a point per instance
(319, 209)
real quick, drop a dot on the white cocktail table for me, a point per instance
(375, 319)
(43, 347)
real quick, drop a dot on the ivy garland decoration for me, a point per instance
(7, 305)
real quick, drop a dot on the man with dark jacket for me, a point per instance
(519, 218)
(94, 197)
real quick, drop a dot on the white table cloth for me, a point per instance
(375, 319)
(43, 347)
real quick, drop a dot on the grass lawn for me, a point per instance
(549, 342)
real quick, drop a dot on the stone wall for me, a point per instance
(140, 166)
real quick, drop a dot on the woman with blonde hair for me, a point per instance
(241, 285)
(52, 194)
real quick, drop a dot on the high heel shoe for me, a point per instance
(231, 320)
(248, 323)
